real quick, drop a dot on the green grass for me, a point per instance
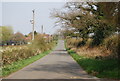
(104, 68)
(8, 69)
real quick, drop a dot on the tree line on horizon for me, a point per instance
(8, 37)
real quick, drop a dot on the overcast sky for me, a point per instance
(0, 14)
(19, 14)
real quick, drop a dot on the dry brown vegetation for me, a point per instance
(107, 49)
(12, 54)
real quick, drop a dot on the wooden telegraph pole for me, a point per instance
(33, 22)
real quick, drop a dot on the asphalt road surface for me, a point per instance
(56, 65)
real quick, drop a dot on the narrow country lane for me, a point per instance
(57, 65)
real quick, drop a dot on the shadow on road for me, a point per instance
(60, 67)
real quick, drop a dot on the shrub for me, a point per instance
(101, 31)
(112, 43)
(89, 41)
(39, 43)
(12, 54)
(72, 42)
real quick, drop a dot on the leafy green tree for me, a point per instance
(6, 33)
(101, 31)
(109, 10)
(106, 21)
(76, 17)
(18, 37)
(89, 17)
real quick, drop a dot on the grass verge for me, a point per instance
(8, 69)
(102, 68)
